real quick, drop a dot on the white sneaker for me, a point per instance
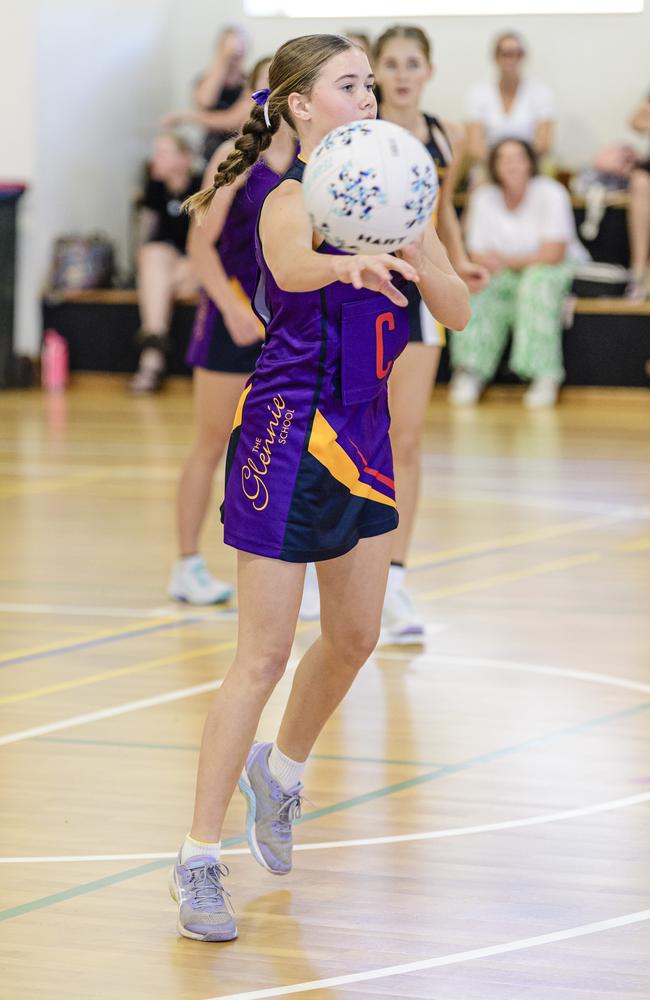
(310, 606)
(192, 582)
(465, 388)
(401, 625)
(541, 394)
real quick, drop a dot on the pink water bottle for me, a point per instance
(54, 361)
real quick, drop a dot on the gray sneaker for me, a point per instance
(271, 812)
(204, 913)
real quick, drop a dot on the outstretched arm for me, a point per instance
(288, 242)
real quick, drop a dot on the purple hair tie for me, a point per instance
(261, 98)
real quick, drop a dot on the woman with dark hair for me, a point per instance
(512, 106)
(221, 95)
(164, 272)
(521, 228)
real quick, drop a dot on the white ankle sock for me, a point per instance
(288, 772)
(191, 848)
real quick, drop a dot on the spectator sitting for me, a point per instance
(638, 216)
(164, 272)
(221, 97)
(520, 227)
(511, 106)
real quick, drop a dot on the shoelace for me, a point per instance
(290, 810)
(205, 883)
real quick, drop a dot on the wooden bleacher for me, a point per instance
(607, 345)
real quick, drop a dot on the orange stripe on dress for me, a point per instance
(381, 477)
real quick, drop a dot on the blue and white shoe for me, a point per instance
(271, 812)
(191, 581)
(204, 911)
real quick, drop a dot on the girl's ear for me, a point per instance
(299, 107)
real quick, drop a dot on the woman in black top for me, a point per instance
(221, 94)
(164, 272)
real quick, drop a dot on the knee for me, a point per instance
(264, 670)
(353, 643)
(209, 450)
(155, 254)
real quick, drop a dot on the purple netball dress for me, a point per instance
(309, 469)
(211, 346)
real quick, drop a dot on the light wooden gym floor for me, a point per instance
(478, 819)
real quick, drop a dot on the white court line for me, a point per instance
(81, 610)
(530, 668)
(109, 713)
(123, 709)
(326, 845)
(441, 960)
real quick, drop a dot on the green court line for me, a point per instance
(441, 772)
(136, 745)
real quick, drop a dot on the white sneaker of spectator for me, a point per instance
(310, 605)
(401, 625)
(465, 388)
(191, 581)
(541, 394)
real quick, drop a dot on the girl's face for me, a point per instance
(512, 166)
(342, 93)
(167, 159)
(402, 70)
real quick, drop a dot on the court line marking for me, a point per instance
(81, 610)
(109, 713)
(180, 693)
(554, 566)
(453, 959)
(531, 668)
(507, 542)
(194, 748)
(132, 706)
(96, 884)
(404, 838)
(87, 642)
(105, 675)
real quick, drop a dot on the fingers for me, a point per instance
(393, 294)
(403, 266)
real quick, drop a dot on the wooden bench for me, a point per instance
(608, 343)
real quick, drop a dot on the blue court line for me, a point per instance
(74, 647)
(194, 748)
(441, 772)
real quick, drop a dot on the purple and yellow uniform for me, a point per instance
(211, 346)
(309, 469)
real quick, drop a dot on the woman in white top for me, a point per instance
(521, 228)
(511, 106)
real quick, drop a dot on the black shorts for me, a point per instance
(212, 347)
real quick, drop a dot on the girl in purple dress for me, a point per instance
(225, 345)
(309, 474)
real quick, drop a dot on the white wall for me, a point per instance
(597, 65)
(98, 76)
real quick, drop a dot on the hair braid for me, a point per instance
(254, 138)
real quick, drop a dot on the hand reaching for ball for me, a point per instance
(374, 272)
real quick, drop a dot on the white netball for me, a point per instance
(370, 187)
